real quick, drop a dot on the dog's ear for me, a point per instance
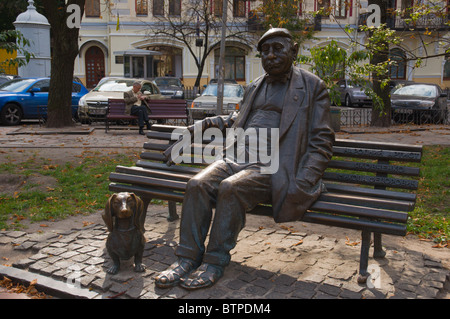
(139, 214)
(108, 214)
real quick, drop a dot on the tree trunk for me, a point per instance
(381, 117)
(64, 45)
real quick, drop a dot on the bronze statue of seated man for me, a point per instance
(286, 98)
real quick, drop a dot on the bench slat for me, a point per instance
(388, 155)
(378, 145)
(371, 180)
(375, 168)
(173, 168)
(147, 192)
(147, 181)
(353, 223)
(153, 173)
(350, 198)
(370, 192)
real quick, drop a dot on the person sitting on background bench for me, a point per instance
(136, 104)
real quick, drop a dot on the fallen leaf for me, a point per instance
(299, 242)
(43, 225)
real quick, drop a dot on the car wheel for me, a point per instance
(348, 101)
(11, 114)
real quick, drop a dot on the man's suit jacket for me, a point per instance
(130, 99)
(305, 144)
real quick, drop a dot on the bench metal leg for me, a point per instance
(378, 248)
(364, 258)
(172, 211)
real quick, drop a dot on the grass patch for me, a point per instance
(430, 218)
(81, 187)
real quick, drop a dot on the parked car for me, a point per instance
(93, 105)
(420, 102)
(170, 87)
(27, 98)
(352, 94)
(206, 104)
(396, 83)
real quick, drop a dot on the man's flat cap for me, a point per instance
(271, 33)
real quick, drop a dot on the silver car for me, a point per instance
(94, 104)
(419, 102)
(206, 104)
(352, 94)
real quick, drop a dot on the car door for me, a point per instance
(154, 91)
(35, 101)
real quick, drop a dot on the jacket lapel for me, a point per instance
(245, 110)
(293, 100)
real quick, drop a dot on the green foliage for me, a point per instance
(284, 14)
(14, 41)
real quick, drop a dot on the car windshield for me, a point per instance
(228, 91)
(416, 90)
(168, 82)
(115, 86)
(352, 84)
(16, 85)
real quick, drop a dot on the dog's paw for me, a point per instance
(113, 269)
(139, 268)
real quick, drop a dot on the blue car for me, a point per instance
(27, 98)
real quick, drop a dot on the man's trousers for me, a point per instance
(233, 189)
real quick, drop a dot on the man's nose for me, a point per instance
(271, 54)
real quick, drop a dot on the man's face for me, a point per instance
(277, 55)
(136, 88)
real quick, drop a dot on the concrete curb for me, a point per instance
(47, 285)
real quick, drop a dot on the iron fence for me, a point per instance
(362, 117)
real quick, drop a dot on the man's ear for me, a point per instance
(295, 48)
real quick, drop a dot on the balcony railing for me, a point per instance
(428, 22)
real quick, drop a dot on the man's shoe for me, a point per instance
(149, 126)
(205, 276)
(141, 131)
(172, 275)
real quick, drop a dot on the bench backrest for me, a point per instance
(376, 164)
(116, 106)
(169, 107)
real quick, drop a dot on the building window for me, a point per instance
(175, 7)
(447, 68)
(239, 8)
(324, 7)
(340, 10)
(407, 8)
(398, 68)
(141, 7)
(158, 7)
(92, 8)
(218, 6)
(234, 63)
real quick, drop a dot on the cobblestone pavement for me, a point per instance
(270, 261)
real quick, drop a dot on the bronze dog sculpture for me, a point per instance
(124, 217)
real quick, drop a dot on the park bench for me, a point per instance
(370, 186)
(160, 110)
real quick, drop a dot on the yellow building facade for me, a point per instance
(116, 40)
